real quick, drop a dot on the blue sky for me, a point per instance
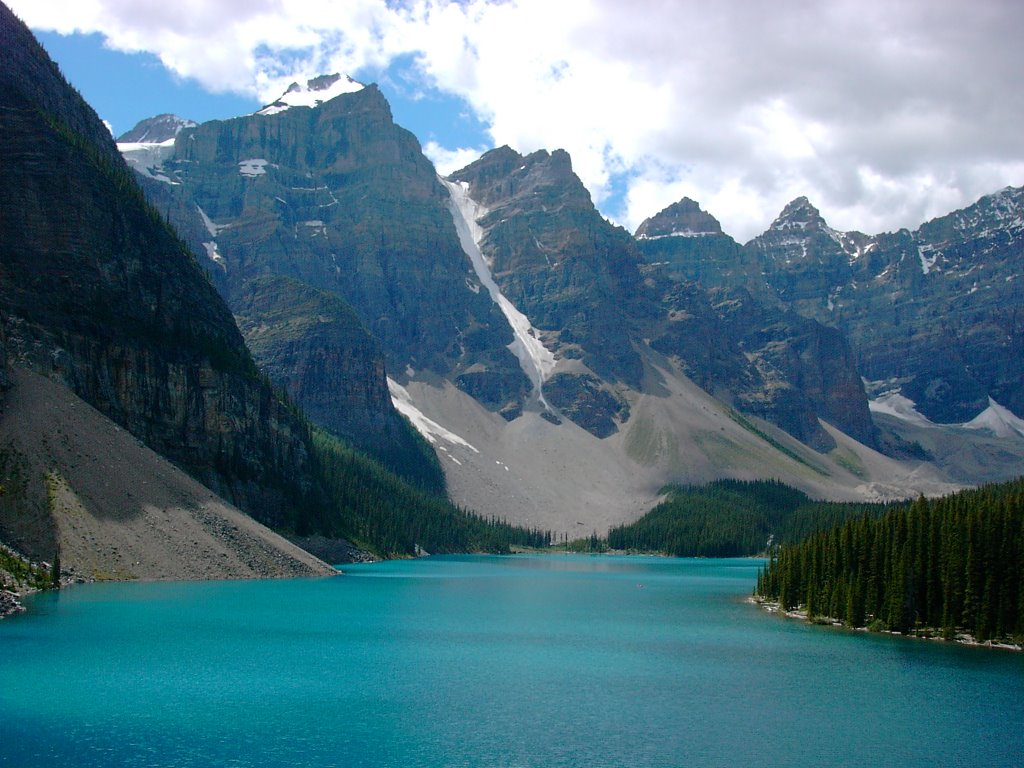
(883, 114)
(125, 88)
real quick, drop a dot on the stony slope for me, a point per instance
(79, 485)
(563, 478)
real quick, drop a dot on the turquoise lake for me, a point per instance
(487, 661)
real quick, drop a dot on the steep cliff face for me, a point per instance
(801, 257)
(556, 259)
(339, 198)
(690, 245)
(767, 362)
(312, 345)
(98, 292)
(316, 347)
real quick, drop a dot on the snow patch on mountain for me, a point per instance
(900, 406)
(314, 93)
(253, 167)
(536, 360)
(431, 430)
(148, 157)
(676, 233)
(213, 229)
(927, 257)
(1000, 421)
(214, 255)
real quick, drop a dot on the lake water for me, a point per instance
(487, 661)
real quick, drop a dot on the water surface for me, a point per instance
(485, 661)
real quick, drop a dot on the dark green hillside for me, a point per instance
(311, 344)
(731, 518)
(377, 510)
(955, 564)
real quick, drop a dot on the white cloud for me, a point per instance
(447, 161)
(882, 113)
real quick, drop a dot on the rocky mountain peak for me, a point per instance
(560, 160)
(313, 93)
(681, 219)
(504, 175)
(155, 130)
(1001, 211)
(495, 163)
(799, 215)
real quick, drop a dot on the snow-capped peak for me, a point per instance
(314, 93)
(156, 130)
(150, 143)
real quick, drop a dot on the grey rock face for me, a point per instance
(571, 272)
(682, 219)
(936, 312)
(342, 200)
(933, 313)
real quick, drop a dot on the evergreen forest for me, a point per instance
(379, 511)
(951, 565)
(732, 518)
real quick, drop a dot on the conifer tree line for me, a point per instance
(951, 565)
(731, 518)
(375, 509)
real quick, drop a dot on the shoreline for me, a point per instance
(925, 633)
(10, 602)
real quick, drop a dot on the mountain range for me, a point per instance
(567, 369)
(488, 337)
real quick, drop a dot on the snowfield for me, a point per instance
(536, 360)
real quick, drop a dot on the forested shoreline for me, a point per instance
(952, 566)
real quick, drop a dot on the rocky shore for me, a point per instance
(10, 603)
(920, 633)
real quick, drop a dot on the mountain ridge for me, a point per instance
(621, 327)
(930, 311)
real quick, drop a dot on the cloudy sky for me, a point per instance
(884, 113)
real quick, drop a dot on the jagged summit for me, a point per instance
(681, 219)
(799, 214)
(156, 130)
(543, 172)
(314, 93)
